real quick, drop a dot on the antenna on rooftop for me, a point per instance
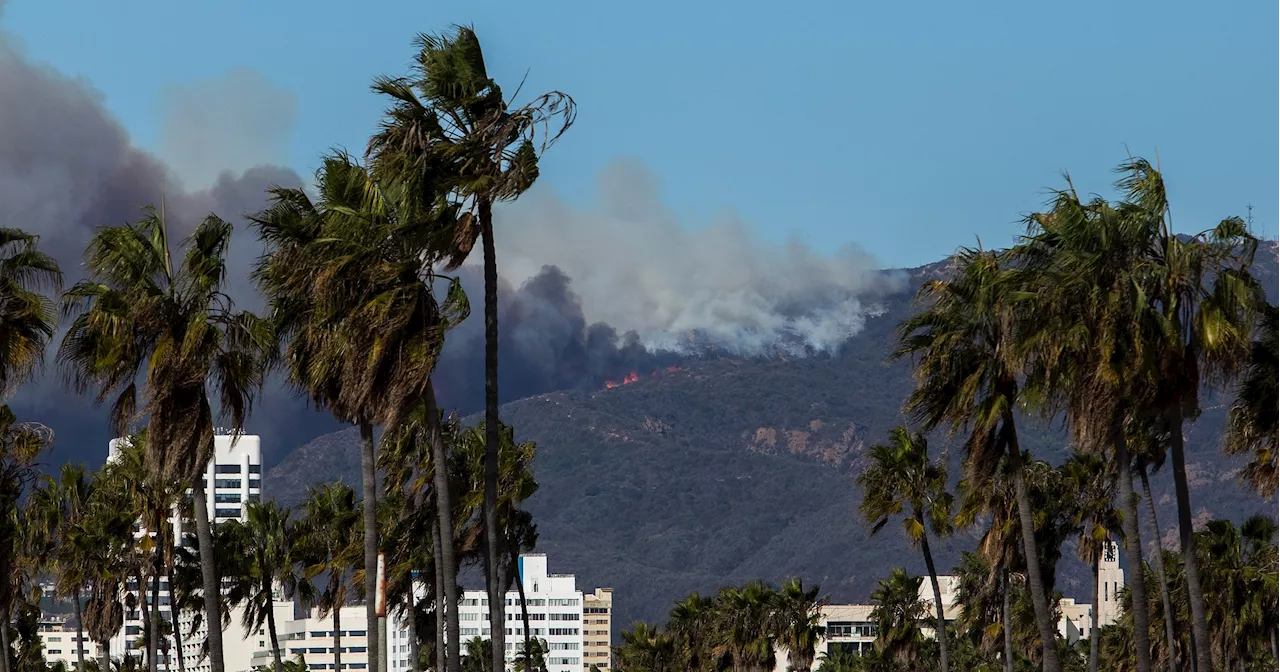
(1248, 222)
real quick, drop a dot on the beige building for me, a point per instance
(597, 624)
(58, 634)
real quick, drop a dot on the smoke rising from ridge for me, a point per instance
(637, 267)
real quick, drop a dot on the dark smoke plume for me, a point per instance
(545, 343)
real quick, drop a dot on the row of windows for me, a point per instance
(323, 649)
(562, 646)
(345, 633)
(850, 629)
(565, 617)
(235, 468)
(234, 483)
(561, 632)
(596, 610)
(563, 602)
(563, 661)
(329, 666)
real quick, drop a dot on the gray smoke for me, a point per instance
(638, 267)
(67, 167)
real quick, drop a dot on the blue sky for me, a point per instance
(907, 128)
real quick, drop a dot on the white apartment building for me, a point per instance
(232, 479)
(58, 634)
(311, 637)
(555, 615)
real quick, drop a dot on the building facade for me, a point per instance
(555, 616)
(232, 480)
(597, 629)
(310, 638)
(58, 634)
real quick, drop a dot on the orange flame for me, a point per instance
(633, 377)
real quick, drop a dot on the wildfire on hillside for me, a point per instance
(633, 377)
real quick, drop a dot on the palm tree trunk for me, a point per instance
(1135, 578)
(1094, 635)
(1191, 565)
(447, 563)
(271, 626)
(524, 610)
(174, 613)
(1008, 621)
(155, 615)
(940, 629)
(368, 475)
(443, 656)
(497, 617)
(337, 636)
(75, 595)
(1048, 631)
(411, 624)
(104, 655)
(148, 636)
(1165, 599)
(6, 617)
(210, 585)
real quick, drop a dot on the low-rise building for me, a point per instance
(58, 634)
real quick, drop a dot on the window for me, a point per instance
(255, 469)
(469, 616)
(227, 513)
(563, 631)
(317, 649)
(226, 468)
(839, 629)
(55, 651)
(320, 633)
(563, 602)
(563, 646)
(469, 631)
(538, 617)
(357, 649)
(133, 630)
(55, 639)
(596, 610)
(538, 603)
(565, 617)
(227, 483)
(357, 633)
(227, 498)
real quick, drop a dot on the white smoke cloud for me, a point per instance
(637, 267)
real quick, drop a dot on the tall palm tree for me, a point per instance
(1252, 420)
(264, 545)
(901, 480)
(329, 512)
(140, 312)
(742, 619)
(645, 649)
(965, 353)
(897, 613)
(449, 125)
(798, 622)
(351, 287)
(689, 627)
(1149, 455)
(1097, 520)
(1209, 302)
(419, 446)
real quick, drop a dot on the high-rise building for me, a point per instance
(232, 479)
(597, 629)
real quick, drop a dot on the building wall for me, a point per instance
(555, 615)
(597, 628)
(58, 634)
(311, 637)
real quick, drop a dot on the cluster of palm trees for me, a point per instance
(107, 540)
(739, 629)
(357, 310)
(1105, 318)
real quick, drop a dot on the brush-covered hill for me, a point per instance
(732, 469)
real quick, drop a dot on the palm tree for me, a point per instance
(966, 367)
(351, 288)
(897, 614)
(449, 126)
(1097, 519)
(901, 480)
(798, 621)
(27, 317)
(419, 447)
(63, 505)
(645, 649)
(139, 312)
(20, 445)
(1148, 456)
(1252, 420)
(742, 619)
(689, 627)
(329, 512)
(264, 545)
(532, 656)
(1209, 302)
